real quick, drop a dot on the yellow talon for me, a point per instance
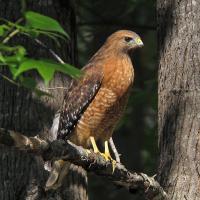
(106, 154)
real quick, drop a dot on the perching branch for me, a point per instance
(59, 149)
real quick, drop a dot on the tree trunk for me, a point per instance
(22, 176)
(179, 98)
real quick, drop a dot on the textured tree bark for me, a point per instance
(179, 98)
(22, 176)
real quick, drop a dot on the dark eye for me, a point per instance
(128, 39)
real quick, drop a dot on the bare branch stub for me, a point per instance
(114, 149)
(59, 149)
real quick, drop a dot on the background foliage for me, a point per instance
(16, 58)
(136, 136)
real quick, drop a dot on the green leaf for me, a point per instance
(42, 22)
(28, 82)
(31, 84)
(2, 59)
(14, 54)
(1, 30)
(69, 69)
(46, 69)
(20, 53)
(43, 68)
(12, 68)
(6, 48)
(19, 27)
(19, 49)
(12, 59)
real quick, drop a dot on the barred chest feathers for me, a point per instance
(102, 115)
(121, 75)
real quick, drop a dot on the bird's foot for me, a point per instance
(108, 157)
(106, 154)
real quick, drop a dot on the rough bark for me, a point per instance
(179, 97)
(22, 175)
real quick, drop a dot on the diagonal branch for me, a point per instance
(59, 149)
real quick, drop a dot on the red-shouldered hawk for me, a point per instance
(95, 102)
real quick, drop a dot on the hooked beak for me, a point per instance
(139, 42)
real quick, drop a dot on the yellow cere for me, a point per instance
(138, 41)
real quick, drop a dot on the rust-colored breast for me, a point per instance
(79, 96)
(104, 112)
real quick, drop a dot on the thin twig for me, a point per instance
(55, 88)
(8, 79)
(50, 51)
(12, 34)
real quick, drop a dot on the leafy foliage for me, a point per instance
(45, 68)
(41, 22)
(15, 57)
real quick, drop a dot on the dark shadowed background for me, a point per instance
(136, 135)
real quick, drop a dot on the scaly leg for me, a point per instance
(108, 156)
(94, 145)
(107, 152)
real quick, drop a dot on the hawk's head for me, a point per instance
(124, 40)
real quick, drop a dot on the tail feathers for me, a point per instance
(59, 171)
(77, 183)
